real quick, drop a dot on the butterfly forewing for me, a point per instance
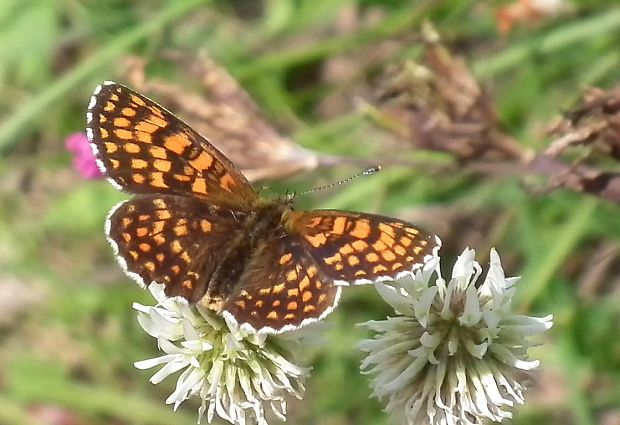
(171, 240)
(143, 148)
(361, 248)
(283, 288)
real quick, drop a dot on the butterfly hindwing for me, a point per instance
(282, 288)
(359, 248)
(169, 239)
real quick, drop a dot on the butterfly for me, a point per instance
(196, 225)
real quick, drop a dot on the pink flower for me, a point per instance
(83, 159)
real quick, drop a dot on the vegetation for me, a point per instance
(342, 79)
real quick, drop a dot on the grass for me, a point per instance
(68, 334)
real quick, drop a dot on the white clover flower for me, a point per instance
(237, 375)
(455, 351)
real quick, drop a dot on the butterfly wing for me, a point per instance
(282, 288)
(143, 148)
(169, 239)
(360, 248)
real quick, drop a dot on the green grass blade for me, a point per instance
(16, 123)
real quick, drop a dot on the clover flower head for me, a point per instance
(454, 352)
(238, 376)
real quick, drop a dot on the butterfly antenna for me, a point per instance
(266, 189)
(367, 172)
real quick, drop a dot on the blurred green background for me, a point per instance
(68, 334)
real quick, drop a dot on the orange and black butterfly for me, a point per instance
(198, 227)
